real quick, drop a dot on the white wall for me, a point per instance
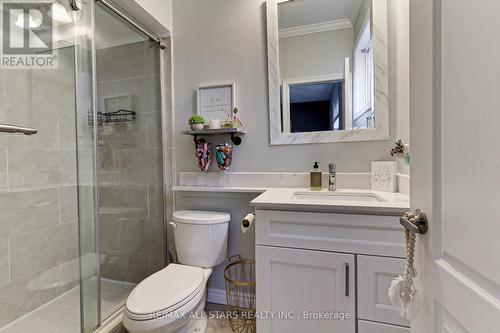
(225, 41)
(155, 15)
(400, 11)
(161, 10)
(316, 54)
(364, 11)
(238, 205)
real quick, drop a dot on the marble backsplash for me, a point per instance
(263, 180)
(268, 179)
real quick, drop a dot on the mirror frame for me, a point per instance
(381, 102)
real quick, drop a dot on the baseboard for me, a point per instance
(215, 295)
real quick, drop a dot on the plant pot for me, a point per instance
(196, 127)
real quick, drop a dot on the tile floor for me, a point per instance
(213, 326)
(219, 325)
(62, 314)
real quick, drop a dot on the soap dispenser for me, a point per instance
(315, 178)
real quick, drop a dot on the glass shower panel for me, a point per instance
(131, 235)
(39, 178)
(86, 142)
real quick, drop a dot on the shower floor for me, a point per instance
(62, 314)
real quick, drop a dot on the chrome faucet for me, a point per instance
(332, 177)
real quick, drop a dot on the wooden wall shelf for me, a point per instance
(235, 133)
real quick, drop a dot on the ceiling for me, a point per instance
(298, 13)
(311, 92)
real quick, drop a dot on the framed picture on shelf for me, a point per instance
(216, 101)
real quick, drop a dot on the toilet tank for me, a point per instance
(201, 237)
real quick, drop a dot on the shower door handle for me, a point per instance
(6, 128)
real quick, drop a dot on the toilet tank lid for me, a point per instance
(200, 217)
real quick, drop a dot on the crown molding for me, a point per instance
(315, 27)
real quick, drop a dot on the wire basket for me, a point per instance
(119, 116)
(239, 275)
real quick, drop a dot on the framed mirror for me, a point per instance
(327, 63)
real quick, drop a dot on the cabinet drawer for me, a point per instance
(374, 278)
(371, 327)
(364, 234)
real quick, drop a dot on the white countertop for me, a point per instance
(222, 189)
(285, 199)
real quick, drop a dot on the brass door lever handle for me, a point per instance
(415, 223)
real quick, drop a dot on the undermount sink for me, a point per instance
(336, 196)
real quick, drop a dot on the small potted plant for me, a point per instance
(196, 123)
(401, 150)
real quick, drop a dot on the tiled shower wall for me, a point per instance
(38, 193)
(130, 154)
(38, 201)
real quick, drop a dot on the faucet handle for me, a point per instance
(332, 167)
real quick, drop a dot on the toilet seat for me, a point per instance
(165, 292)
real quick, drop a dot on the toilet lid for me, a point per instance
(200, 217)
(166, 290)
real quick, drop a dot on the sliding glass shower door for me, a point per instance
(46, 178)
(131, 234)
(81, 201)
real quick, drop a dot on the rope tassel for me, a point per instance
(402, 291)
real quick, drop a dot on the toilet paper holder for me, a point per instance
(246, 222)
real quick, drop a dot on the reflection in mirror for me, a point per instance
(326, 65)
(323, 99)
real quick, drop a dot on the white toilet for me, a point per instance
(172, 300)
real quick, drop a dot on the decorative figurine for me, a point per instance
(236, 122)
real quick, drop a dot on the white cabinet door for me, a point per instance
(303, 284)
(374, 279)
(372, 327)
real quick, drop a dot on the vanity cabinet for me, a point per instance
(374, 278)
(328, 263)
(296, 286)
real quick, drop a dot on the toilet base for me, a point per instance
(194, 325)
(197, 325)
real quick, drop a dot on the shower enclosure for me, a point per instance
(82, 200)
